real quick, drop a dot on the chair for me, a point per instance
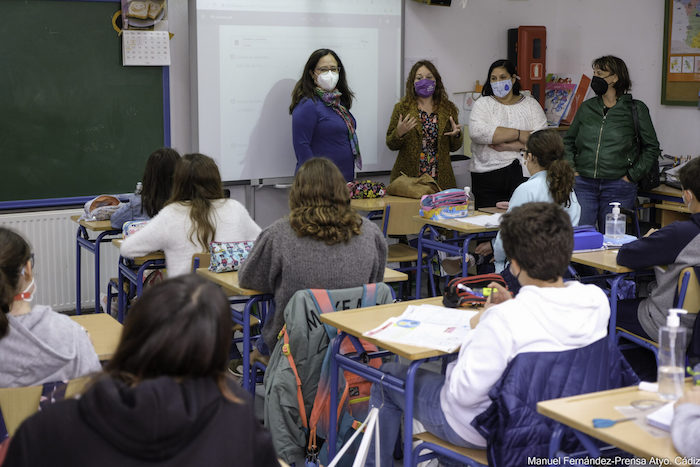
(687, 297)
(401, 222)
(18, 404)
(513, 429)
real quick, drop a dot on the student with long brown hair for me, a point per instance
(323, 244)
(37, 345)
(551, 180)
(164, 398)
(196, 214)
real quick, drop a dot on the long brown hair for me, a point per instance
(197, 182)
(14, 254)
(181, 328)
(320, 203)
(305, 86)
(439, 95)
(547, 147)
(158, 180)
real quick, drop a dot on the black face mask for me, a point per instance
(599, 85)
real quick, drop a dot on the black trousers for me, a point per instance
(497, 185)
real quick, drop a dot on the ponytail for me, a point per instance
(14, 253)
(560, 178)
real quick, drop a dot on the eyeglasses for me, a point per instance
(326, 69)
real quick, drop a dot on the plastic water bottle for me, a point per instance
(471, 202)
(672, 343)
(615, 222)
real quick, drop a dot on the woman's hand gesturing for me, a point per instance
(456, 129)
(405, 124)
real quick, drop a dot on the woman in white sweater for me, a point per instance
(499, 125)
(196, 214)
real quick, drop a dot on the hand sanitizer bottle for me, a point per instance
(672, 343)
(615, 222)
(470, 201)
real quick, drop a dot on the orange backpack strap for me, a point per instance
(300, 397)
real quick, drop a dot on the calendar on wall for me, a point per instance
(145, 48)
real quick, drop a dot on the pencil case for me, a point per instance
(446, 212)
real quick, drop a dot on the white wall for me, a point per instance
(464, 42)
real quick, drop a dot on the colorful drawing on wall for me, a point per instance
(681, 75)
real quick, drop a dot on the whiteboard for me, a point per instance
(249, 55)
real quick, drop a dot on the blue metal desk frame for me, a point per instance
(135, 277)
(92, 245)
(357, 365)
(243, 318)
(458, 245)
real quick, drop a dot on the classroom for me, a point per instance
(185, 107)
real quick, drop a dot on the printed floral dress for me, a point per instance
(428, 159)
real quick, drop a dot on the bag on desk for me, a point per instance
(100, 208)
(412, 187)
(366, 189)
(228, 256)
(472, 290)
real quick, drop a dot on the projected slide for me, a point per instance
(248, 61)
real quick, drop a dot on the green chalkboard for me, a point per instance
(73, 120)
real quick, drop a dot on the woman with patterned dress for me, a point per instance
(424, 128)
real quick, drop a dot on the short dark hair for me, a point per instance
(510, 68)
(181, 328)
(689, 176)
(540, 238)
(305, 86)
(616, 66)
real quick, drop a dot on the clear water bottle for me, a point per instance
(471, 202)
(672, 344)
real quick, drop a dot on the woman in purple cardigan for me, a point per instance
(322, 125)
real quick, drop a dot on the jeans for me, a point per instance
(595, 195)
(426, 409)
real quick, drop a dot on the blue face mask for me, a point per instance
(501, 88)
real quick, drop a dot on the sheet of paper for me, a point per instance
(427, 326)
(492, 220)
(145, 48)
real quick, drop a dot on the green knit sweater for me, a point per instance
(410, 145)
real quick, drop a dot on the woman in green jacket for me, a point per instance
(424, 128)
(602, 147)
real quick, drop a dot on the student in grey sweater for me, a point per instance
(37, 344)
(685, 430)
(322, 244)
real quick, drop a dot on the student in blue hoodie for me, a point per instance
(668, 250)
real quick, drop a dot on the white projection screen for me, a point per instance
(250, 53)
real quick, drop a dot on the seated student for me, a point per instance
(685, 430)
(551, 180)
(37, 345)
(322, 244)
(157, 184)
(196, 213)
(675, 247)
(548, 315)
(164, 397)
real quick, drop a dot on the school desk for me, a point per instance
(104, 332)
(83, 240)
(351, 324)
(132, 270)
(668, 204)
(577, 412)
(229, 282)
(378, 204)
(607, 261)
(456, 246)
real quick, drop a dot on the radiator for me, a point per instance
(52, 237)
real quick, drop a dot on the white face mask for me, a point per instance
(327, 80)
(501, 88)
(25, 295)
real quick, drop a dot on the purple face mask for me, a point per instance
(424, 87)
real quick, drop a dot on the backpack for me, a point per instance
(354, 390)
(470, 291)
